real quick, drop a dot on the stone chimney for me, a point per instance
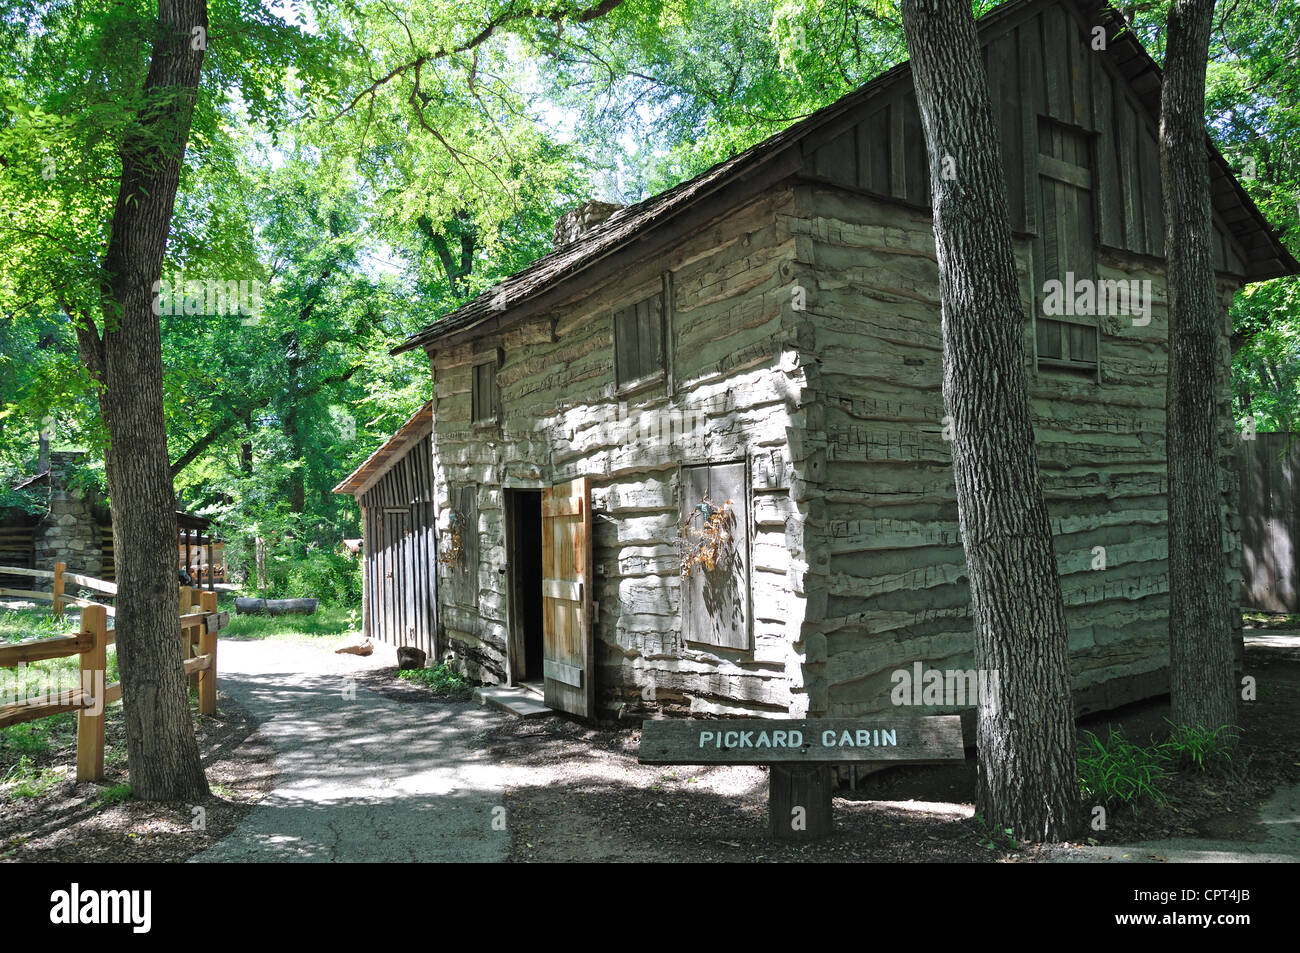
(70, 532)
(575, 223)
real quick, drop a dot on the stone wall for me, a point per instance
(70, 532)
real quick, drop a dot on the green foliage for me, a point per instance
(444, 681)
(993, 838)
(28, 780)
(326, 628)
(1116, 771)
(322, 574)
(115, 794)
(1207, 750)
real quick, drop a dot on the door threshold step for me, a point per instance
(532, 688)
(517, 701)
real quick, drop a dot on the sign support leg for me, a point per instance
(799, 801)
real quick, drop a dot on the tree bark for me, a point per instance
(1201, 657)
(126, 359)
(1028, 774)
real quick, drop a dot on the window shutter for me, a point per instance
(485, 402)
(639, 340)
(1066, 241)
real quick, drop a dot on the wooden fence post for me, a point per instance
(94, 680)
(208, 647)
(59, 569)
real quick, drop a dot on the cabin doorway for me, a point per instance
(524, 566)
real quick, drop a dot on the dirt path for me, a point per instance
(395, 775)
(361, 777)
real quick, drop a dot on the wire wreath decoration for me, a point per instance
(454, 547)
(706, 545)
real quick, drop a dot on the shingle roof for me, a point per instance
(417, 426)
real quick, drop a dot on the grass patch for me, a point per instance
(115, 794)
(328, 628)
(443, 681)
(1116, 771)
(19, 624)
(24, 778)
(1202, 749)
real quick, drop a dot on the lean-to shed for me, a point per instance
(768, 334)
(394, 488)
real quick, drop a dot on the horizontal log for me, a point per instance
(27, 594)
(90, 582)
(19, 571)
(113, 693)
(276, 606)
(22, 712)
(807, 741)
(38, 650)
(197, 664)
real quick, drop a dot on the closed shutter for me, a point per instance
(1066, 247)
(639, 341)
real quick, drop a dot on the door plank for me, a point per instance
(568, 647)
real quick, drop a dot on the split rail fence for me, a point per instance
(199, 624)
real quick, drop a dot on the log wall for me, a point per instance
(887, 579)
(728, 397)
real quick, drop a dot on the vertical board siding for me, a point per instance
(1042, 65)
(399, 551)
(1269, 468)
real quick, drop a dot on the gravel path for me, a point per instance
(361, 778)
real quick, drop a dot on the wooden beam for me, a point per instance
(38, 650)
(912, 739)
(24, 712)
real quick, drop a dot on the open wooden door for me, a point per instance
(568, 645)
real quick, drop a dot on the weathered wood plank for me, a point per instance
(913, 739)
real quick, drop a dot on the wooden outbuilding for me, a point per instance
(394, 488)
(756, 354)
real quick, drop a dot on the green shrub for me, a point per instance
(320, 574)
(1116, 771)
(1204, 749)
(444, 681)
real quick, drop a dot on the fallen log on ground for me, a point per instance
(276, 606)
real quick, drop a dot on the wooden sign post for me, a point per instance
(800, 753)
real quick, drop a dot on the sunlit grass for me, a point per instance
(328, 628)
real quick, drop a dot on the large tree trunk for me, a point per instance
(127, 361)
(1028, 776)
(1201, 677)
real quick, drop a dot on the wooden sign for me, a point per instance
(916, 740)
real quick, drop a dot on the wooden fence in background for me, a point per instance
(1269, 467)
(58, 594)
(199, 624)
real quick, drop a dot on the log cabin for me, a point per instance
(761, 344)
